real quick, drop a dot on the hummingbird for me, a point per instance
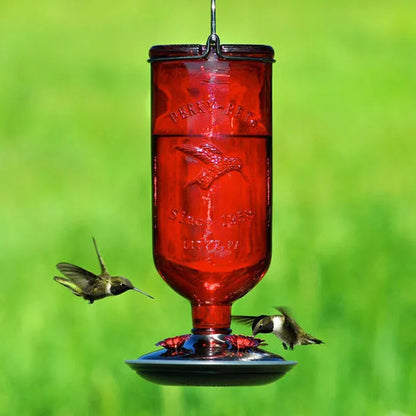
(217, 164)
(90, 286)
(283, 326)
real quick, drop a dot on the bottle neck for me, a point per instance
(211, 319)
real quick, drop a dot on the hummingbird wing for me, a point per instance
(211, 148)
(100, 259)
(304, 338)
(285, 312)
(248, 319)
(207, 153)
(244, 319)
(81, 277)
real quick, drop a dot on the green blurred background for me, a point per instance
(75, 162)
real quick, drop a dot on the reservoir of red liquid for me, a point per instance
(211, 161)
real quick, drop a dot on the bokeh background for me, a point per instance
(75, 163)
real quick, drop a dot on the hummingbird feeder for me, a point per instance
(212, 173)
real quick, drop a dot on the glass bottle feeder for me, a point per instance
(211, 161)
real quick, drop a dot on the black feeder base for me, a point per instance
(211, 360)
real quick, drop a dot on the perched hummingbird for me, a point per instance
(90, 286)
(283, 326)
(217, 164)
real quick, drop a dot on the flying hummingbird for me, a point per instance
(217, 164)
(283, 326)
(90, 286)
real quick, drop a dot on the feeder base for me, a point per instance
(221, 365)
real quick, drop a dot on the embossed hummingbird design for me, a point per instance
(217, 164)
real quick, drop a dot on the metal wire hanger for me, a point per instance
(212, 42)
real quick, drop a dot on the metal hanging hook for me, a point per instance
(213, 18)
(213, 41)
(213, 38)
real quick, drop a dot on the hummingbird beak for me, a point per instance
(244, 175)
(144, 293)
(255, 332)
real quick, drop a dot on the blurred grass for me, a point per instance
(74, 162)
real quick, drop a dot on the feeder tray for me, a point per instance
(189, 365)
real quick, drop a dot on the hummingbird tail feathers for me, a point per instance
(70, 285)
(309, 339)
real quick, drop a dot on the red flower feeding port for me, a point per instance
(174, 343)
(212, 161)
(243, 343)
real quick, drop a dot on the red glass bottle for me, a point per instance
(212, 160)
